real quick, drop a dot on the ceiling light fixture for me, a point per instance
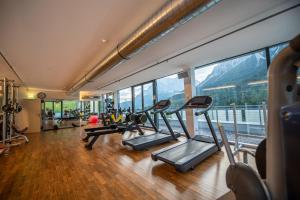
(219, 87)
(103, 40)
(258, 82)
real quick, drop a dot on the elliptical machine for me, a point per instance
(282, 178)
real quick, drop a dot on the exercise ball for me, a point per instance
(93, 119)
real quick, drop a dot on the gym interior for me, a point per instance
(150, 99)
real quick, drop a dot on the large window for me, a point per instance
(110, 95)
(101, 106)
(172, 88)
(96, 107)
(68, 108)
(57, 109)
(239, 89)
(86, 107)
(143, 98)
(91, 106)
(125, 98)
(49, 106)
(48, 111)
(148, 95)
(138, 103)
(148, 98)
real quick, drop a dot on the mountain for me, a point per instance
(237, 73)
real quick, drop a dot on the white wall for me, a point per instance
(31, 93)
(30, 116)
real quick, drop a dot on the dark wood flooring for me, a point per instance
(55, 165)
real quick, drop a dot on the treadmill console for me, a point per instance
(162, 104)
(199, 102)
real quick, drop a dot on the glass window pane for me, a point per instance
(137, 98)
(276, 49)
(101, 104)
(172, 88)
(148, 95)
(241, 82)
(110, 96)
(148, 99)
(68, 108)
(49, 110)
(81, 106)
(57, 109)
(91, 106)
(86, 108)
(125, 98)
(49, 105)
(96, 109)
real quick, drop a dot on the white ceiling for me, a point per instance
(51, 43)
(216, 22)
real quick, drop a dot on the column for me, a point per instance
(189, 92)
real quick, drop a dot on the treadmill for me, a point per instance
(145, 141)
(186, 155)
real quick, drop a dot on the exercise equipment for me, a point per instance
(129, 118)
(282, 143)
(186, 155)
(72, 120)
(93, 119)
(114, 116)
(114, 128)
(11, 136)
(106, 117)
(145, 141)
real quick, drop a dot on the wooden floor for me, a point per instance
(55, 165)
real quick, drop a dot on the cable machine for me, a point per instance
(10, 136)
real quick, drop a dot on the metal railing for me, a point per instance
(244, 124)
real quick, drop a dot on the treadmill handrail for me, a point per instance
(197, 113)
(160, 110)
(173, 111)
(153, 107)
(183, 107)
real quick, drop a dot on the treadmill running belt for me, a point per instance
(147, 138)
(185, 152)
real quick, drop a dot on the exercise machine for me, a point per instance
(282, 143)
(94, 133)
(110, 111)
(186, 155)
(145, 141)
(129, 118)
(11, 136)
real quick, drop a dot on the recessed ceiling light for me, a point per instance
(103, 40)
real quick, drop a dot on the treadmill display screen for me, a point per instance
(162, 104)
(200, 102)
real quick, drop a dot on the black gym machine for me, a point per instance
(11, 135)
(132, 123)
(277, 157)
